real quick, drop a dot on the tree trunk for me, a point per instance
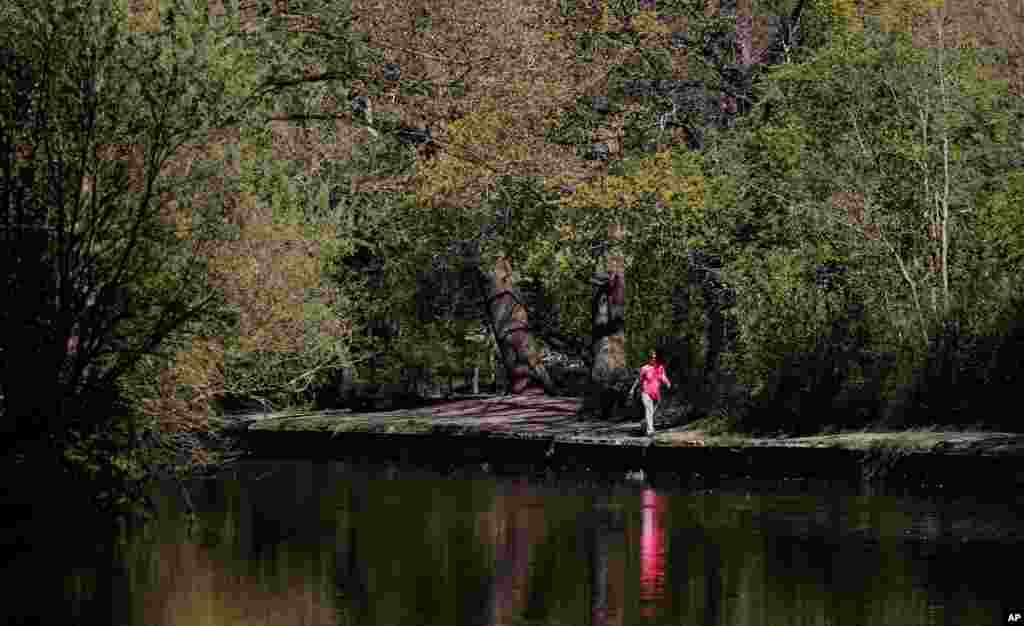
(745, 32)
(609, 323)
(510, 323)
(680, 352)
(714, 339)
(609, 311)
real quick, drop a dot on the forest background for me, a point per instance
(812, 208)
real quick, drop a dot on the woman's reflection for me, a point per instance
(652, 552)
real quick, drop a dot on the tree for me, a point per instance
(290, 188)
(909, 127)
(513, 98)
(95, 276)
(870, 162)
(475, 84)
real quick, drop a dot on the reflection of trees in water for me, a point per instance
(51, 576)
(411, 550)
(286, 505)
(516, 525)
(209, 574)
(350, 576)
(603, 535)
(195, 586)
(712, 582)
(598, 551)
(356, 548)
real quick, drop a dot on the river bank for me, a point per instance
(538, 433)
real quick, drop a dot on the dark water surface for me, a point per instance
(325, 542)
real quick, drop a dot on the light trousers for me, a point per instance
(650, 405)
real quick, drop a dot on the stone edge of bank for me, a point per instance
(971, 462)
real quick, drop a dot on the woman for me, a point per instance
(650, 379)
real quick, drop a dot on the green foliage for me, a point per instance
(575, 126)
(866, 121)
(850, 161)
(108, 109)
(1001, 221)
(108, 467)
(120, 134)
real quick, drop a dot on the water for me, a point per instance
(318, 542)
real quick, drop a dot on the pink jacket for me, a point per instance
(651, 377)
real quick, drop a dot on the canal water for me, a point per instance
(326, 542)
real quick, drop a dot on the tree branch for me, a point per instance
(910, 282)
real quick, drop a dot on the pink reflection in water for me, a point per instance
(652, 551)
